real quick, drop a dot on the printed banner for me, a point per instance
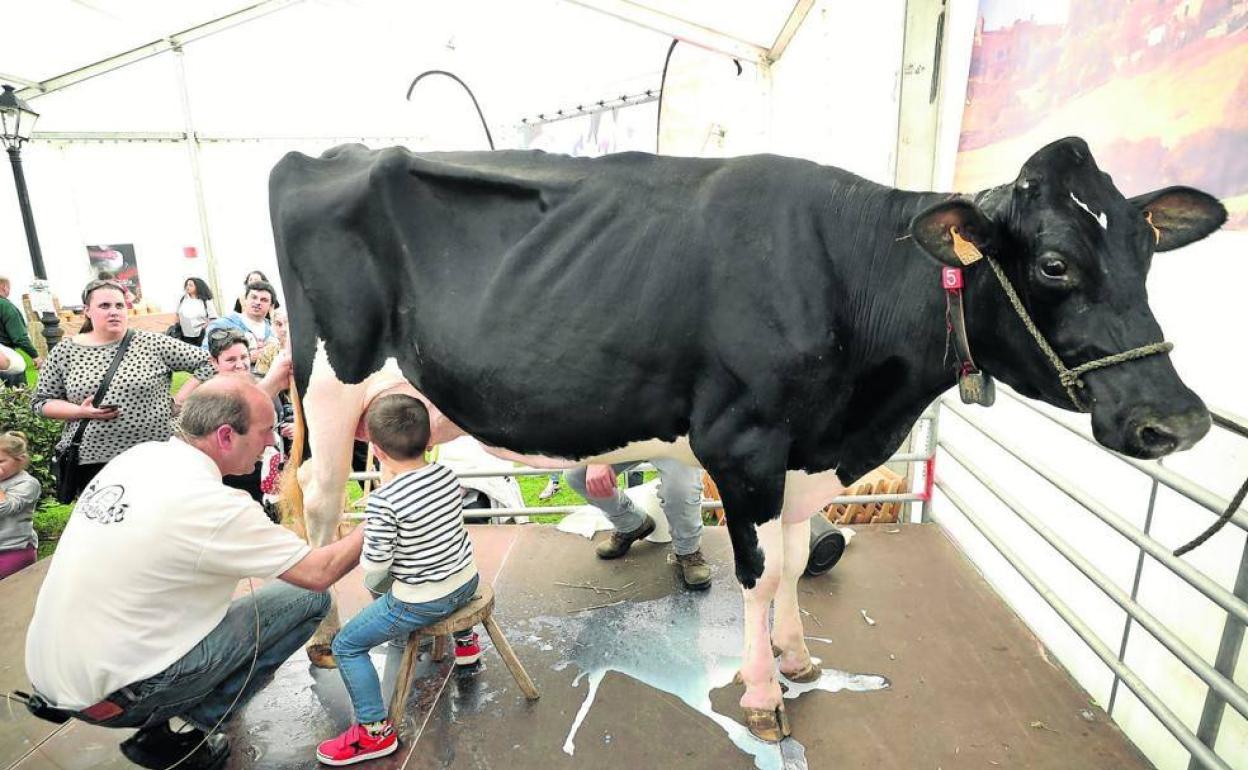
(117, 262)
(1158, 89)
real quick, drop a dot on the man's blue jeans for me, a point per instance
(385, 619)
(201, 685)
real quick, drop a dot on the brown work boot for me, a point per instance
(695, 573)
(618, 544)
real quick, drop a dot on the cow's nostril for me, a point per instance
(1157, 439)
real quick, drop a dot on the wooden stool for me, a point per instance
(479, 610)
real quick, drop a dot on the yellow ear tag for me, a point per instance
(966, 251)
(1148, 217)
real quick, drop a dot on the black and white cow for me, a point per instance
(780, 323)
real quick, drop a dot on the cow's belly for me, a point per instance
(804, 493)
(637, 451)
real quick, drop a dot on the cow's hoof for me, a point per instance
(811, 673)
(321, 656)
(770, 725)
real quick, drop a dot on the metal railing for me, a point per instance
(925, 428)
(1218, 677)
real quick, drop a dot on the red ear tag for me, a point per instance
(951, 278)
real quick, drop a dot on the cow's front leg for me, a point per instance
(752, 485)
(788, 634)
(762, 702)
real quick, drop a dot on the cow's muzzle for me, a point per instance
(1146, 432)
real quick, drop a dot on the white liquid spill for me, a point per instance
(685, 645)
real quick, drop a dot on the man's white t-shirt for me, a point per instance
(145, 570)
(260, 331)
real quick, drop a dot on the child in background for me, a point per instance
(19, 494)
(414, 533)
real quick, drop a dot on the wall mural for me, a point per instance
(1158, 88)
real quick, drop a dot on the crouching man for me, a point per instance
(134, 625)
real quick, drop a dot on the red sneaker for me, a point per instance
(357, 745)
(467, 650)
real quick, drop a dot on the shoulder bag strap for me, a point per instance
(104, 383)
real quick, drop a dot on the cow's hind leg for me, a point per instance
(332, 412)
(788, 634)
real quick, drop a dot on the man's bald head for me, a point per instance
(230, 420)
(220, 401)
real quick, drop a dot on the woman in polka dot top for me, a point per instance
(137, 406)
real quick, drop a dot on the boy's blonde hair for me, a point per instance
(14, 444)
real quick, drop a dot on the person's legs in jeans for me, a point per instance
(201, 685)
(384, 619)
(619, 508)
(378, 584)
(288, 617)
(680, 495)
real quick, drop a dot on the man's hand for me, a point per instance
(38, 362)
(600, 481)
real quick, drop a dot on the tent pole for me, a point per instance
(192, 150)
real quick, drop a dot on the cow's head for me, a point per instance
(1077, 253)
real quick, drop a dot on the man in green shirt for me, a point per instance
(13, 333)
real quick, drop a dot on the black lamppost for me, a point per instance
(17, 123)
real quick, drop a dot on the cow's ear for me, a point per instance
(955, 232)
(1180, 215)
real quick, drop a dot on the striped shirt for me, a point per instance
(414, 529)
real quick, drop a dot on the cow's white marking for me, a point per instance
(1102, 219)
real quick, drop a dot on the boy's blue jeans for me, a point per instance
(385, 619)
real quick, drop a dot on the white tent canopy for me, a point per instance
(120, 85)
(278, 55)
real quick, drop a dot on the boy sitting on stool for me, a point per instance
(414, 533)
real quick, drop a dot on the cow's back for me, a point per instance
(546, 303)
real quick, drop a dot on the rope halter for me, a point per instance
(1070, 378)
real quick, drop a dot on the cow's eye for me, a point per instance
(1053, 267)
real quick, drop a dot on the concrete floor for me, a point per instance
(645, 681)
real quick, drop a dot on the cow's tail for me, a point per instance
(290, 500)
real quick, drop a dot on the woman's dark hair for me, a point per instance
(247, 278)
(91, 288)
(201, 288)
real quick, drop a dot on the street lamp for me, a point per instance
(17, 123)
